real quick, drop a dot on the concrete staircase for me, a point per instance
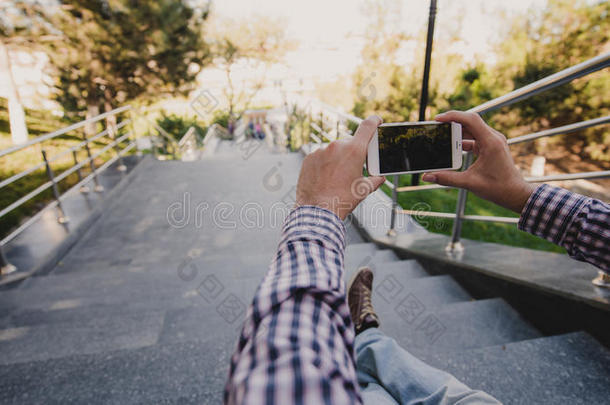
(147, 307)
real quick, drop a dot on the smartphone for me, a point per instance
(415, 147)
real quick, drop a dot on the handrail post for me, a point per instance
(98, 187)
(62, 218)
(392, 231)
(602, 280)
(455, 246)
(5, 266)
(112, 131)
(84, 188)
(338, 123)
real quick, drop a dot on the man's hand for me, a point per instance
(332, 178)
(493, 175)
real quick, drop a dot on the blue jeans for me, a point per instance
(388, 374)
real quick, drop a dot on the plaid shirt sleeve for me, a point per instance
(578, 223)
(297, 343)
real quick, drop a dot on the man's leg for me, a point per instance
(374, 394)
(382, 362)
(388, 374)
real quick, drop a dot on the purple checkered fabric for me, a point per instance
(297, 343)
(578, 223)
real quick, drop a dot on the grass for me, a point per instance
(444, 200)
(39, 123)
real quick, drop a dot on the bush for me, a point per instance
(176, 126)
(221, 118)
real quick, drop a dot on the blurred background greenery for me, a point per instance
(155, 55)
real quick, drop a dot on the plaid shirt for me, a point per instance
(578, 223)
(297, 343)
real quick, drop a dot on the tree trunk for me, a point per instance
(111, 119)
(16, 114)
(93, 110)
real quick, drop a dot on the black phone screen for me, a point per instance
(405, 148)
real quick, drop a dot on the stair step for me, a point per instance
(191, 323)
(573, 368)
(392, 293)
(185, 373)
(402, 269)
(455, 327)
(56, 302)
(95, 335)
(367, 254)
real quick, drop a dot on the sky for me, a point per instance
(330, 33)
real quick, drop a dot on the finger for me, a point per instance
(472, 124)
(366, 130)
(468, 145)
(466, 133)
(447, 178)
(377, 182)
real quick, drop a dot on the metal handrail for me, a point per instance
(565, 76)
(115, 141)
(315, 138)
(566, 129)
(600, 174)
(59, 178)
(53, 203)
(451, 215)
(75, 148)
(63, 131)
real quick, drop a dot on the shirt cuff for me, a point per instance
(309, 221)
(550, 211)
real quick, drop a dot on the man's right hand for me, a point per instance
(493, 175)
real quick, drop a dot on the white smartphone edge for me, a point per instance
(372, 157)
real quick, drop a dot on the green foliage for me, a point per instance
(298, 128)
(177, 126)
(566, 33)
(39, 122)
(221, 117)
(112, 52)
(472, 88)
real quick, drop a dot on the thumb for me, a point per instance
(377, 182)
(447, 178)
(363, 186)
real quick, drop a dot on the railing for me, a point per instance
(188, 145)
(111, 132)
(547, 83)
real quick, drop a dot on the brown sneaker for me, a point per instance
(359, 293)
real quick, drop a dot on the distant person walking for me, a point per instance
(250, 130)
(258, 130)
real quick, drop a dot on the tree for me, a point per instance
(539, 44)
(19, 130)
(18, 24)
(113, 51)
(473, 87)
(254, 44)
